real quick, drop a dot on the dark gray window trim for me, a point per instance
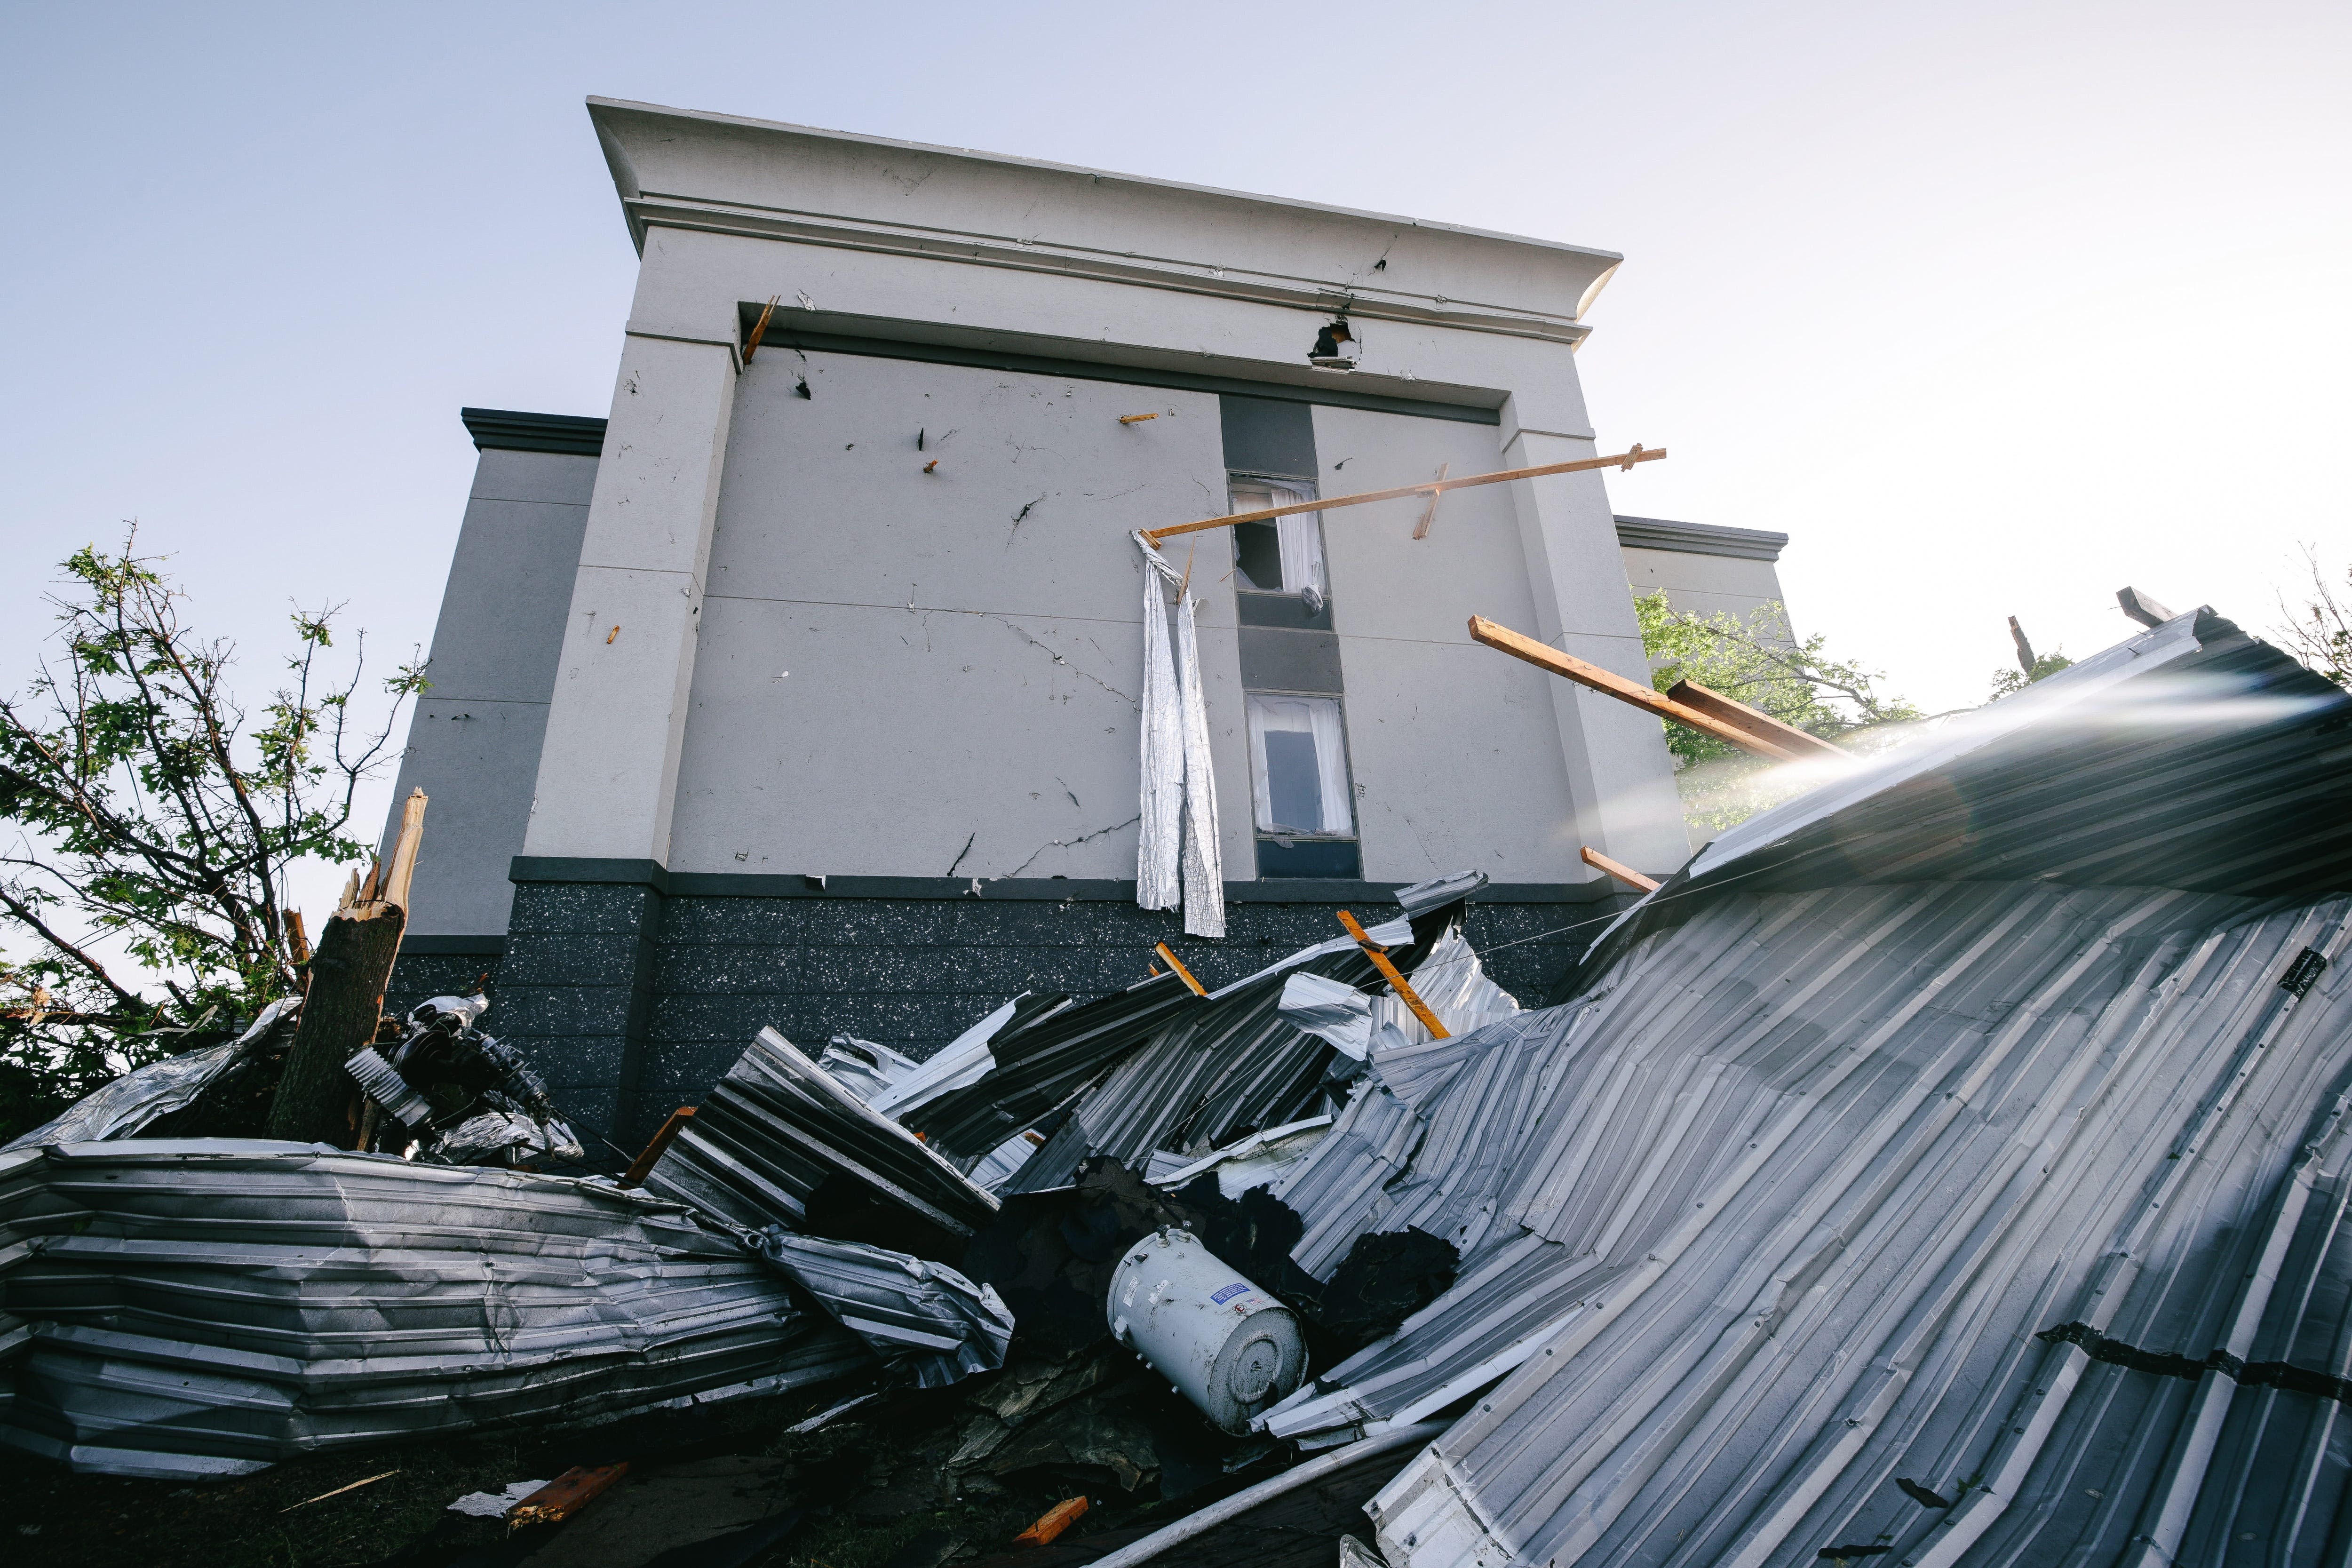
(785, 335)
(1040, 889)
(507, 430)
(1700, 538)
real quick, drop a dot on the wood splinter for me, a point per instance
(760, 330)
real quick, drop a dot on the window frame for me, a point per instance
(1308, 489)
(1354, 834)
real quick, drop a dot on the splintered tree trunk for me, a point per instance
(349, 971)
(348, 975)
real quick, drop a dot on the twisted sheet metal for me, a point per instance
(1947, 1162)
(922, 1319)
(778, 1125)
(121, 1108)
(1043, 1057)
(1230, 1064)
(205, 1307)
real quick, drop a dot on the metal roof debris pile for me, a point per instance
(1951, 1164)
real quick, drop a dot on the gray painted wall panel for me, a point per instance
(473, 738)
(1455, 747)
(564, 480)
(1008, 689)
(1290, 660)
(1702, 585)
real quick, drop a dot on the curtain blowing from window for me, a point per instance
(1298, 766)
(1298, 541)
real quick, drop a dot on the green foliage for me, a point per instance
(2319, 631)
(2046, 665)
(140, 900)
(1756, 660)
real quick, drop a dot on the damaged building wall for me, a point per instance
(927, 452)
(909, 673)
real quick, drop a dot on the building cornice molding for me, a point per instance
(650, 211)
(511, 430)
(1700, 538)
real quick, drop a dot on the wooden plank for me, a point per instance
(1609, 683)
(1182, 972)
(1753, 721)
(1624, 459)
(1056, 1520)
(566, 1495)
(644, 1163)
(1619, 870)
(1420, 528)
(1397, 982)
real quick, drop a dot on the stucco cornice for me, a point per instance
(726, 174)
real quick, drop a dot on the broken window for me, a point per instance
(1299, 767)
(1284, 555)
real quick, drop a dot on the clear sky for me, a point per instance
(1991, 308)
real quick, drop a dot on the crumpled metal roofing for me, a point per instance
(119, 1109)
(922, 1319)
(778, 1125)
(1917, 1174)
(1230, 1063)
(207, 1306)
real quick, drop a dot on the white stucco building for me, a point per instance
(796, 686)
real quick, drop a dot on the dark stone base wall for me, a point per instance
(633, 1003)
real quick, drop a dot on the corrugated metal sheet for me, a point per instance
(925, 1321)
(778, 1125)
(1043, 1058)
(1947, 1168)
(1232, 1064)
(1761, 1228)
(208, 1306)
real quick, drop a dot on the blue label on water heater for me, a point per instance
(1229, 1292)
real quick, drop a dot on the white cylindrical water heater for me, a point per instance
(1227, 1346)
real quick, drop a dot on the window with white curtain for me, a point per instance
(1284, 555)
(1298, 766)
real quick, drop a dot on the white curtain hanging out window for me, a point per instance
(1298, 766)
(1294, 563)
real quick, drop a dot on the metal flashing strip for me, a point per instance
(782, 334)
(511, 430)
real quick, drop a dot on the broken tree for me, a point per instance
(344, 1005)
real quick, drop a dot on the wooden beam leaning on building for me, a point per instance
(1756, 738)
(1432, 489)
(344, 1001)
(1397, 982)
(1754, 722)
(1619, 870)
